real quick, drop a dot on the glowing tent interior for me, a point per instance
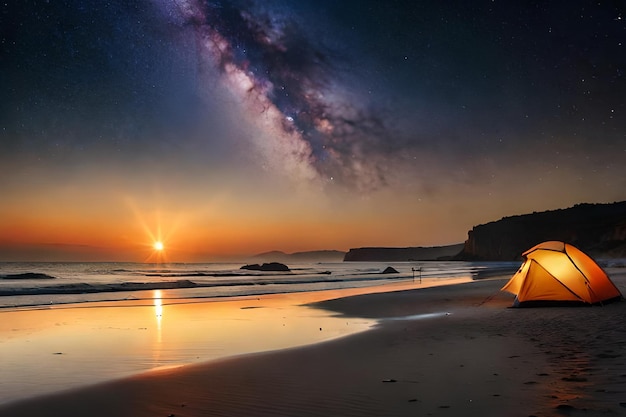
(558, 273)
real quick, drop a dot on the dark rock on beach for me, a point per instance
(270, 266)
(389, 270)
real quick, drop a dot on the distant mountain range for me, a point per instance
(310, 256)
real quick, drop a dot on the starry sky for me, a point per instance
(238, 127)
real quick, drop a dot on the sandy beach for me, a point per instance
(454, 350)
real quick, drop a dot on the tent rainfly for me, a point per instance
(558, 273)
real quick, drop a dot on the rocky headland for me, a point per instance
(382, 254)
(597, 229)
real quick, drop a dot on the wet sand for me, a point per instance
(446, 351)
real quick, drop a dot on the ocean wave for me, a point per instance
(27, 275)
(169, 274)
(84, 288)
(88, 288)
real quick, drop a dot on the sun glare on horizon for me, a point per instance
(158, 246)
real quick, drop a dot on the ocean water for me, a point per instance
(35, 285)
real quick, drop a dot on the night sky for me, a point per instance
(237, 127)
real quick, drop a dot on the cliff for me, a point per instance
(597, 229)
(403, 254)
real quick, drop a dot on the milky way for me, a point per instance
(287, 84)
(514, 93)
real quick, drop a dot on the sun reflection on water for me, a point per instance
(111, 341)
(158, 311)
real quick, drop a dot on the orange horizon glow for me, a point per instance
(198, 226)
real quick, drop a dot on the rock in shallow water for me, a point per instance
(270, 266)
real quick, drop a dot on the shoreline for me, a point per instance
(478, 357)
(172, 294)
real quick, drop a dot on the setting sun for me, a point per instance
(158, 246)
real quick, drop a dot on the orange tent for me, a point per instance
(558, 272)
